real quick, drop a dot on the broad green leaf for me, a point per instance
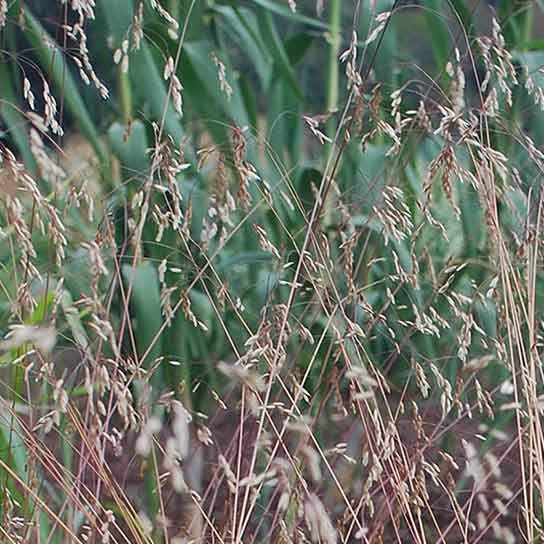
(119, 17)
(282, 111)
(201, 306)
(209, 102)
(145, 305)
(386, 42)
(131, 147)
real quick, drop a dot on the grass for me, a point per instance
(271, 272)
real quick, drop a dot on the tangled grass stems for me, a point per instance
(283, 332)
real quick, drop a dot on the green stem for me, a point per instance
(527, 27)
(333, 84)
(126, 96)
(334, 50)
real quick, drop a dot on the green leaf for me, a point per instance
(471, 218)
(244, 24)
(366, 179)
(307, 177)
(465, 15)
(297, 46)
(287, 13)
(13, 118)
(285, 107)
(145, 303)
(41, 310)
(201, 306)
(516, 18)
(277, 50)
(249, 99)
(438, 33)
(13, 449)
(281, 115)
(130, 147)
(118, 17)
(533, 63)
(74, 321)
(199, 54)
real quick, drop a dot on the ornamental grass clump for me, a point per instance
(271, 272)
